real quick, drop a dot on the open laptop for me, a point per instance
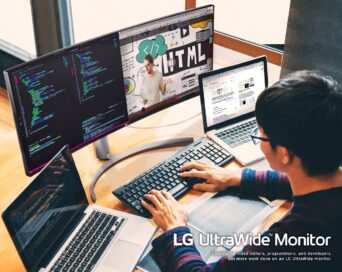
(55, 229)
(228, 98)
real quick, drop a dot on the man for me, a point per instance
(300, 133)
(151, 84)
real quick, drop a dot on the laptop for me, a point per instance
(228, 98)
(55, 229)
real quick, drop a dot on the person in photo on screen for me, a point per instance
(152, 90)
(300, 133)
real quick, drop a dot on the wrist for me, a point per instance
(234, 180)
(173, 226)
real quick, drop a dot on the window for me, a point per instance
(94, 18)
(263, 21)
(17, 26)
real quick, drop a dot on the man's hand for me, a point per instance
(166, 211)
(218, 178)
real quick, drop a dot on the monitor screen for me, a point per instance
(40, 218)
(232, 92)
(161, 59)
(72, 96)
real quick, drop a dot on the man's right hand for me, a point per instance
(218, 178)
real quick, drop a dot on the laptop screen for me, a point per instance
(232, 92)
(46, 211)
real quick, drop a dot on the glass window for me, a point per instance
(16, 25)
(94, 18)
(262, 21)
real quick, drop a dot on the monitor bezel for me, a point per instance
(220, 71)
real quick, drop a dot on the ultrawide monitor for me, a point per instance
(81, 93)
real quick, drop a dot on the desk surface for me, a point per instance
(13, 179)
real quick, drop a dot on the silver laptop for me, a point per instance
(55, 229)
(228, 98)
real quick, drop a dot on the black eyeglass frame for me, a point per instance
(255, 138)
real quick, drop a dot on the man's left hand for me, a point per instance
(166, 211)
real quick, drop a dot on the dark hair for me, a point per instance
(149, 58)
(303, 112)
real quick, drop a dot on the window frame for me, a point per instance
(241, 45)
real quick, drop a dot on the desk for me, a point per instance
(13, 179)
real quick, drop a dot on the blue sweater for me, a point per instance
(318, 213)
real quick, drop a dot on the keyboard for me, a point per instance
(165, 175)
(89, 243)
(237, 135)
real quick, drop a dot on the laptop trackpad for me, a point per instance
(122, 256)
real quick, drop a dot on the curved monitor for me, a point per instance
(181, 48)
(72, 96)
(81, 93)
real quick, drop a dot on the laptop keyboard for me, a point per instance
(238, 135)
(88, 245)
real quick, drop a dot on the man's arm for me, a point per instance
(162, 86)
(270, 184)
(141, 92)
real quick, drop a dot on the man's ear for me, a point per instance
(285, 155)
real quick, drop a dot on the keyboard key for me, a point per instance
(218, 160)
(176, 189)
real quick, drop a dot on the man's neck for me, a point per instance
(302, 184)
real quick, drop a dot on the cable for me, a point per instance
(167, 125)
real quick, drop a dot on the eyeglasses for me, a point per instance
(256, 136)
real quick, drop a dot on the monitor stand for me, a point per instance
(103, 153)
